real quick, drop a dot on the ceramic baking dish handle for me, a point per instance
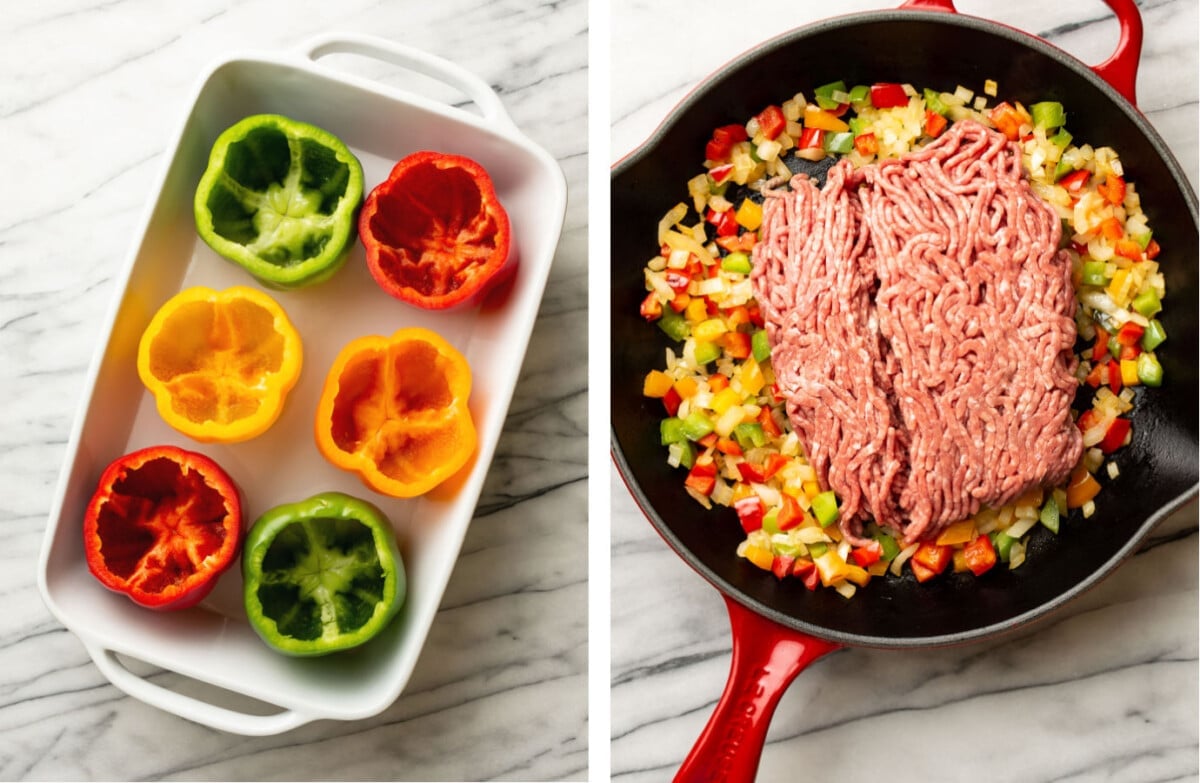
(414, 60)
(188, 707)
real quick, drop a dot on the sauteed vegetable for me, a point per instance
(725, 425)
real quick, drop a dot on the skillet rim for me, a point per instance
(1013, 37)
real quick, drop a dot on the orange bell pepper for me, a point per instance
(220, 364)
(394, 411)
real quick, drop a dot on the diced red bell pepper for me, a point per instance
(934, 124)
(737, 316)
(1113, 189)
(1096, 377)
(1079, 247)
(1075, 181)
(702, 477)
(680, 302)
(678, 281)
(866, 144)
(756, 316)
(932, 558)
(651, 308)
(922, 573)
(751, 472)
(811, 138)
(768, 423)
(1127, 248)
(709, 440)
(1115, 437)
(720, 173)
(980, 555)
(781, 566)
(724, 222)
(774, 464)
(718, 382)
(1129, 352)
(1100, 349)
(888, 95)
(1111, 228)
(729, 447)
(722, 142)
(1114, 376)
(866, 555)
(1130, 334)
(1006, 119)
(1087, 419)
(790, 514)
(672, 401)
(750, 512)
(771, 122)
(1152, 250)
(806, 569)
(737, 344)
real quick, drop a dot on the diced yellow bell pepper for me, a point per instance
(741, 490)
(1129, 375)
(749, 215)
(724, 400)
(958, 533)
(1116, 287)
(696, 311)
(815, 117)
(657, 384)
(812, 489)
(760, 556)
(709, 330)
(751, 377)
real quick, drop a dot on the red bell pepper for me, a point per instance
(1127, 248)
(751, 472)
(790, 514)
(930, 560)
(1130, 334)
(888, 95)
(980, 555)
(782, 565)
(724, 222)
(866, 144)
(1111, 228)
(162, 525)
(934, 124)
(768, 423)
(729, 447)
(1152, 250)
(723, 139)
(702, 477)
(771, 122)
(737, 344)
(1114, 438)
(1114, 376)
(672, 401)
(750, 512)
(1100, 349)
(811, 138)
(806, 569)
(1075, 181)
(1006, 119)
(1113, 189)
(720, 173)
(651, 308)
(868, 554)
(773, 465)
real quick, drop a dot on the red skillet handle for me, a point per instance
(766, 658)
(1120, 70)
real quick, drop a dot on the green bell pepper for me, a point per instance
(1047, 115)
(279, 198)
(321, 575)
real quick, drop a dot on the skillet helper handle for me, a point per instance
(417, 61)
(766, 658)
(1120, 70)
(191, 708)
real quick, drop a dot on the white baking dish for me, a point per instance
(230, 679)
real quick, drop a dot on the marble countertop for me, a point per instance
(92, 95)
(1103, 690)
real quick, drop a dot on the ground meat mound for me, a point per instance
(921, 319)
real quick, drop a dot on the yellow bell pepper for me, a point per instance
(220, 363)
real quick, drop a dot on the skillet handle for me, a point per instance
(1120, 70)
(766, 658)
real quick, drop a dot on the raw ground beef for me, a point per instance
(922, 331)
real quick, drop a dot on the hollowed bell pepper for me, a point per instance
(394, 411)
(434, 231)
(220, 363)
(322, 575)
(162, 525)
(279, 198)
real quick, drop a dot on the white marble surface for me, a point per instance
(1103, 690)
(91, 97)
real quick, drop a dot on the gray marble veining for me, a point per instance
(1105, 690)
(92, 93)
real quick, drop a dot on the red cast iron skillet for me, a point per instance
(779, 626)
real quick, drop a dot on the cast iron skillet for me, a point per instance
(779, 626)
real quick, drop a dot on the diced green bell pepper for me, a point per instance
(687, 454)
(696, 425)
(839, 143)
(859, 94)
(671, 430)
(760, 346)
(737, 262)
(770, 521)
(707, 352)
(857, 125)
(1062, 169)
(1003, 545)
(1143, 239)
(1049, 516)
(825, 508)
(1147, 303)
(673, 324)
(321, 575)
(934, 102)
(1062, 140)
(889, 545)
(818, 548)
(1149, 371)
(1094, 273)
(824, 94)
(1047, 115)
(280, 198)
(749, 435)
(1154, 335)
